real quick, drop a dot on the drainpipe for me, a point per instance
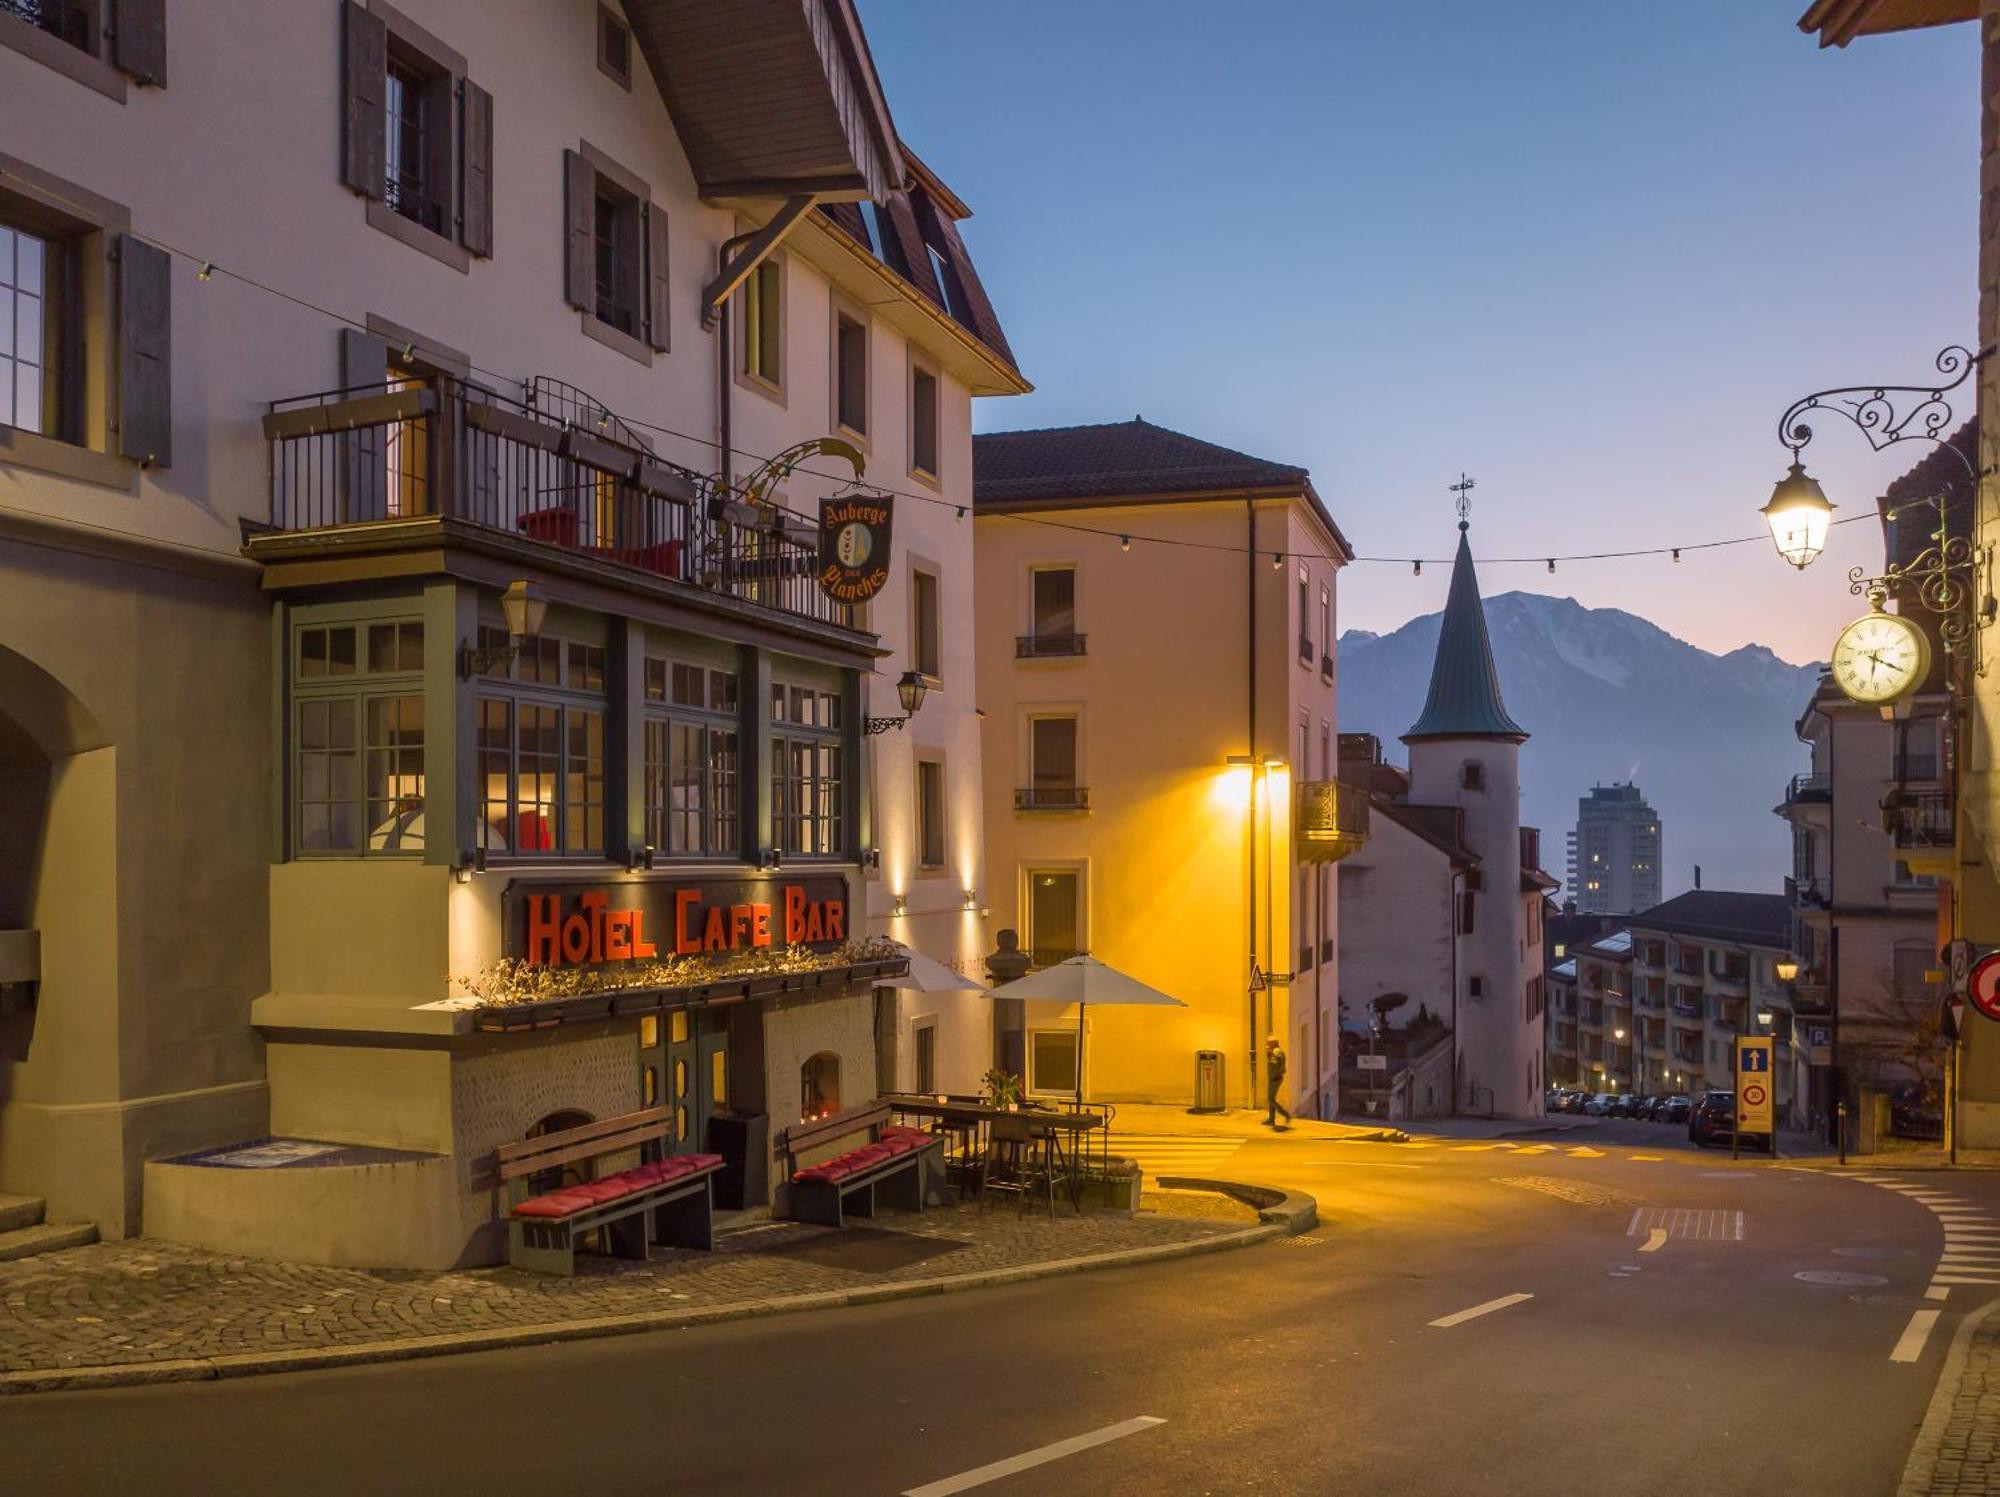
(1451, 892)
(1250, 823)
(725, 373)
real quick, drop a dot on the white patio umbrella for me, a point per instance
(929, 975)
(1084, 980)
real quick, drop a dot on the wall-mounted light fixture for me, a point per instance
(901, 906)
(524, 607)
(910, 691)
(871, 857)
(461, 871)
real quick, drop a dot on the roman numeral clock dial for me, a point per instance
(1879, 658)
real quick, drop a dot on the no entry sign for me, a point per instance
(1983, 986)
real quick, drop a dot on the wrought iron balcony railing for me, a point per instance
(1809, 787)
(1329, 820)
(1922, 818)
(1052, 798)
(447, 450)
(1047, 646)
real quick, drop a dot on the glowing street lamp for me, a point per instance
(1799, 514)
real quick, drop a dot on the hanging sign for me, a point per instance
(1756, 1084)
(854, 546)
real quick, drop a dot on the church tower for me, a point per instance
(1465, 751)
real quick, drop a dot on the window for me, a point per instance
(36, 322)
(1052, 764)
(1054, 915)
(1326, 624)
(947, 286)
(91, 41)
(1052, 1061)
(1472, 776)
(1466, 908)
(1053, 602)
(930, 814)
(763, 324)
(808, 771)
(417, 137)
(358, 738)
(926, 645)
(1475, 987)
(819, 1087)
(614, 48)
(1305, 619)
(850, 373)
(615, 261)
(540, 753)
(924, 1033)
(692, 767)
(923, 421)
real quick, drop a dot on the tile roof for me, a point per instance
(1065, 466)
(1941, 474)
(1723, 914)
(1464, 700)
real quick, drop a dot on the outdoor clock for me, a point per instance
(1880, 657)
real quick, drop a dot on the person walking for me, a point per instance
(1274, 1079)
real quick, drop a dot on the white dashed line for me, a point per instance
(979, 1476)
(1910, 1345)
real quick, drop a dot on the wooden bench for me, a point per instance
(668, 1193)
(897, 1167)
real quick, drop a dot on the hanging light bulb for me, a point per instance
(1677, 554)
(1416, 569)
(207, 271)
(1124, 543)
(1277, 560)
(1552, 563)
(961, 512)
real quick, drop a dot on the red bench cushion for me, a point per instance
(574, 1198)
(854, 1161)
(555, 1203)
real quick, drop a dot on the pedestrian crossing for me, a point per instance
(1971, 1234)
(1159, 1154)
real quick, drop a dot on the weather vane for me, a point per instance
(1463, 489)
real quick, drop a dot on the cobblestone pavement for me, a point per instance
(145, 1301)
(1958, 1449)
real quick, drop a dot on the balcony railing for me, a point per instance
(1046, 646)
(1326, 667)
(443, 449)
(1329, 820)
(1922, 818)
(1052, 798)
(1808, 787)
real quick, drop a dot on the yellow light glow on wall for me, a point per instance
(1231, 790)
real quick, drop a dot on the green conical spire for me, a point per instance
(1465, 688)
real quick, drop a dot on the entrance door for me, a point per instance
(711, 1084)
(1052, 915)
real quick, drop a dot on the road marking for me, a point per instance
(1655, 1240)
(1160, 1154)
(1937, 1291)
(1478, 1148)
(1536, 1149)
(1647, 1158)
(1578, 1151)
(1910, 1345)
(1378, 1164)
(1964, 1278)
(979, 1476)
(1706, 1226)
(1476, 1311)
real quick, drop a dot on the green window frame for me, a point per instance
(357, 723)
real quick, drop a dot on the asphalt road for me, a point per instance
(1700, 1363)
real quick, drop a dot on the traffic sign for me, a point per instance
(1982, 985)
(1958, 961)
(1374, 1062)
(1755, 1082)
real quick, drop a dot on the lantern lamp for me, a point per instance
(1799, 514)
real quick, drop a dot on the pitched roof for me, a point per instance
(1443, 827)
(1838, 22)
(1941, 475)
(1723, 914)
(1464, 700)
(1132, 461)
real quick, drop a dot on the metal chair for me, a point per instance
(1015, 1164)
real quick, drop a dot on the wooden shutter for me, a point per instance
(364, 147)
(475, 217)
(579, 207)
(139, 39)
(145, 412)
(658, 314)
(364, 453)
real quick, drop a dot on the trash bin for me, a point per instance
(744, 1142)
(1208, 1081)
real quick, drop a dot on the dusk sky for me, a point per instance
(1587, 253)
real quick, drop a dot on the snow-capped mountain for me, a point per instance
(1608, 696)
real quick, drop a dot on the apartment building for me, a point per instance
(393, 588)
(1614, 852)
(1155, 629)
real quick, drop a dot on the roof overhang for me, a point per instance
(1281, 494)
(1839, 22)
(772, 98)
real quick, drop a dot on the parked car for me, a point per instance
(1678, 1109)
(1713, 1121)
(1648, 1108)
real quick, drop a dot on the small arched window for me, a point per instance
(819, 1087)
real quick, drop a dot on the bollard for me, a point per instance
(1840, 1125)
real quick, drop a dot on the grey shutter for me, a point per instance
(145, 407)
(475, 223)
(364, 452)
(139, 39)
(659, 319)
(579, 205)
(364, 126)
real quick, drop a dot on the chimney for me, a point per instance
(1697, 875)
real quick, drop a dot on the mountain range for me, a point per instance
(1607, 696)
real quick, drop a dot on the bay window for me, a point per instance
(808, 771)
(358, 738)
(539, 752)
(693, 806)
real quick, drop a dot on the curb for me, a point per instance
(1921, 1468)
(1278, 1211)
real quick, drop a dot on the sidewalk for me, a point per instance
(1957, 1449)
(1929, 1157)
(145, 1311)
(1158, 1119)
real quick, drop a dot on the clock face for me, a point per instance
(1880, 657)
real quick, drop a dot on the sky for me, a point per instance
(1587, 253)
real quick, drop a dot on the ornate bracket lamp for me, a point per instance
(524, 608)
(910, 690)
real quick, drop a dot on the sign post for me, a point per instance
(1756, 1086)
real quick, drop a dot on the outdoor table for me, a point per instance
(1051, 1124)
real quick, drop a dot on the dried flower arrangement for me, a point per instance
(511, 982)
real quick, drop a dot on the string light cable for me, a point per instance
(208, 271)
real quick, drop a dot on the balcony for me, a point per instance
(1925, 829)
(1048, 646)
(1052, 798)
(1329, 820)
(408, 466)
(1808, 892)
(1326, 669)
(1809, 788)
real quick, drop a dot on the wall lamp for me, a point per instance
(910, 691)
(468, 864)
(524, 607)
(1785, 969)
(871, 857)
(639, 857)
(901, 906)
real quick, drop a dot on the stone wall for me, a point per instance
(797, 1029)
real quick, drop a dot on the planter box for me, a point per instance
(1112, 1192)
